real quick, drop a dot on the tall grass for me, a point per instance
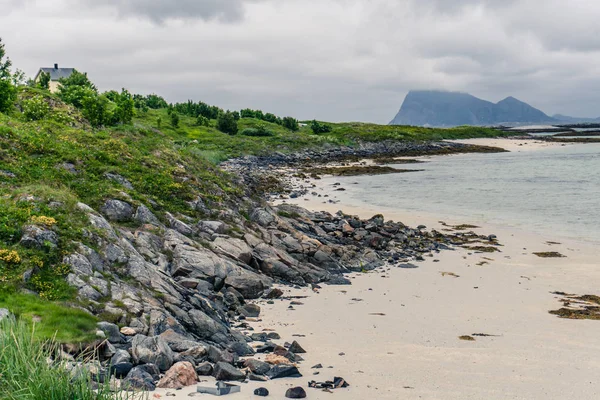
(31, 369)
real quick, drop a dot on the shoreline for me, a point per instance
(399, 329)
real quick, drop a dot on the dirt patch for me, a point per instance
(483, 249)
(467, 338)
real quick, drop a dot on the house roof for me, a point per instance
(56, 73)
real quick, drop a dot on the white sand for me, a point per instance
(514, 145)
(413, 351)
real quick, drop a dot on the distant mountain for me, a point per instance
(438, 108)
(575, 120)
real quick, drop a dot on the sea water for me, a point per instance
(553, 191)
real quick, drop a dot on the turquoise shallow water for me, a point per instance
(554, 191)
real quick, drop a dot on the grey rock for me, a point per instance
(4, 313)
(250, 310)
(150, 369)
(111, 331)
(138, 379)
(262, 217)
(283, 371)
(257, 366)
(179, 226)
(211, 227)
(178, 342)
(295, 393)
(121, 370)
(152, 350)
(234, 248)
(117, 210)
(296, 348)
(241, 349)
(119, 179)
(143, 215)
(121, 356)
(261, 392)
(227, 372)
(38, 238)
(204, 369)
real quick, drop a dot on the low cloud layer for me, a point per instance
(327, 59)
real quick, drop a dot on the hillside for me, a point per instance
(448, 109)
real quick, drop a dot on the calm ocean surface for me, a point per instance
(553, 191)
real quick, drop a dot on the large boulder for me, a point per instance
(152, 350)
(112, 332)
(138, 379)
(179, 376)
(262, 217)
(117, 210)
(257, 366)
(227, 372)
(37, 237)
(234, 248)
(143, 215)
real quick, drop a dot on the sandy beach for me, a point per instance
(394, 333)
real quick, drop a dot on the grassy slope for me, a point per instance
(167, 167)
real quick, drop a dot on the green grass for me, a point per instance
(27, 374)
(55, 320)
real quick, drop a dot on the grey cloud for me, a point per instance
(162, 10)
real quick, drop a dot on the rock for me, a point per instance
(138, 379)
(283, 371)
(119, 179)
(121, 370)
(35, 237)
(250, 285)
(227, 372)
(215, 355)
(262, 217)
(179, 376)
(259, 337)
(211, 227)
(241, 349)
(273, 335)
(152, 350)
(262, 392)
(111, 331)
(257, 366)
(120, 356)
(276, 359)
(178, 342)
(295, 393)
(127, 331)
(204, 369)
(273, 294)
(250, 310)
(234, 248)
(4, 313)
(257, 378)
(143, 215)
(117, 210)
(296, 348)
(150, 369)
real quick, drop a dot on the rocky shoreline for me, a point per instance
(179, 295)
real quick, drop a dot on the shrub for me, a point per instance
(174, 119)
(202, 121)
(35, 108)
(8, 92)
(95, 109)
(226, 123)
(318, 127)
(260, 130)
(290, 123)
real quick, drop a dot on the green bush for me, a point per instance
(290, 123)
(260, 130)
(226, 123)
(35, 108)
(201, 120)
(318, 127)
(174, 119)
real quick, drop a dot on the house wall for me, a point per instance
(54, 86)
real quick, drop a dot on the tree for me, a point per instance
(318, 127)
(158, 122)
(75, 88)
(125, 105)
(226, 123)
(236, 115)
(44, 82)
(290, 123)
(8, 92)
(202, 121)
(155, 102)
(174, 119)
(95, 110)
(35, 108)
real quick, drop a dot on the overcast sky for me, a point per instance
(351, 60)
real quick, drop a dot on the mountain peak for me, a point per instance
(444, 108)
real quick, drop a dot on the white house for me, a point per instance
(55, 74)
